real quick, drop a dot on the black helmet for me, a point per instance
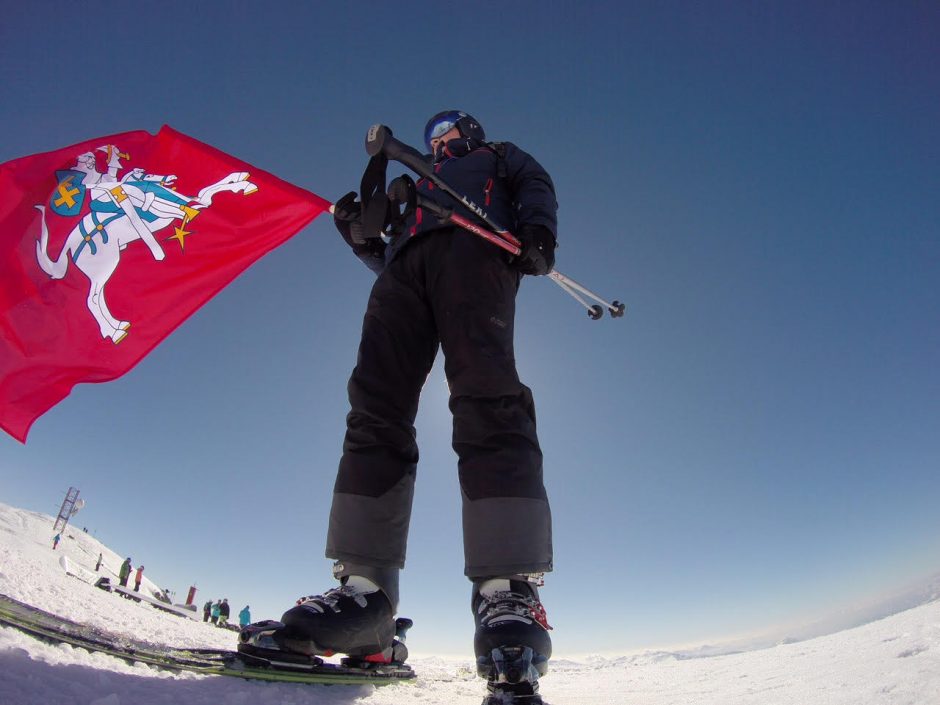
(446, 120)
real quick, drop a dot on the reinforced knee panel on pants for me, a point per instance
(506, 535)
(498, 446)
(371, 530)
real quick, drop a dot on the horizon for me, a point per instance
(847, 615)
(843, 617)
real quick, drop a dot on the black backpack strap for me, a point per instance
(500, 149)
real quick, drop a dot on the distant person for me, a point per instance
(224, 612)
(138, 578)
(244, 617)
(207, 611)
(98, 564)
(125, 573)
(55, 541)
(215, 611)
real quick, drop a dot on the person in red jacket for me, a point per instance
(138, 578)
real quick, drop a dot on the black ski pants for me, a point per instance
(448, 289)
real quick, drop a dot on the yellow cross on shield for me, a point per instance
(69, 193)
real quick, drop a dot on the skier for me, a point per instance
(55, 541)
(206, 610)
(98, 564)
(138, 578)
(440, 286)
(215, 611)
(125, 573)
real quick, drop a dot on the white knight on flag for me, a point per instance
(120, 212)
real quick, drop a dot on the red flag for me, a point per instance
(109, 245)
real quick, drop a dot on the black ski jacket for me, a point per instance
(501, 178)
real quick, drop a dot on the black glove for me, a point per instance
(538, 250)
(347, 216)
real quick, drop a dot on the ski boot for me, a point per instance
(511, 642)
(355, 619)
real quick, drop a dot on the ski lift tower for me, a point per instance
(67, 510)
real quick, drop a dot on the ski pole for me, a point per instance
(402, 190)
(594, 311)
(615, 307)
(448, 214)
(567, 284)
(379, 139)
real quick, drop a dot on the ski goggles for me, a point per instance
(440, 125)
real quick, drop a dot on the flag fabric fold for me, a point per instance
(110, 244)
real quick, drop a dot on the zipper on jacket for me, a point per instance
(487, 191)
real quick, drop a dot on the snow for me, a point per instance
(892, 661)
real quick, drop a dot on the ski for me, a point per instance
(219, 662)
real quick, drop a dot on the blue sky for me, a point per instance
(753, 443)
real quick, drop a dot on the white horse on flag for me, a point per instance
(134, 208)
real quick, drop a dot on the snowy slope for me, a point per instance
(894, 661)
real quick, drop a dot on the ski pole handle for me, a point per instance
(379, 139)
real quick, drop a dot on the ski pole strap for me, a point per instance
(373, 197)
(500, 149)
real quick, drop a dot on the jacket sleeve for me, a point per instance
(532, 189)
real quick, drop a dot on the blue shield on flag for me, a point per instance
(69, 194)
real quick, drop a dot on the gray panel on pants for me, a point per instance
(506, 536)
(371, 530)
